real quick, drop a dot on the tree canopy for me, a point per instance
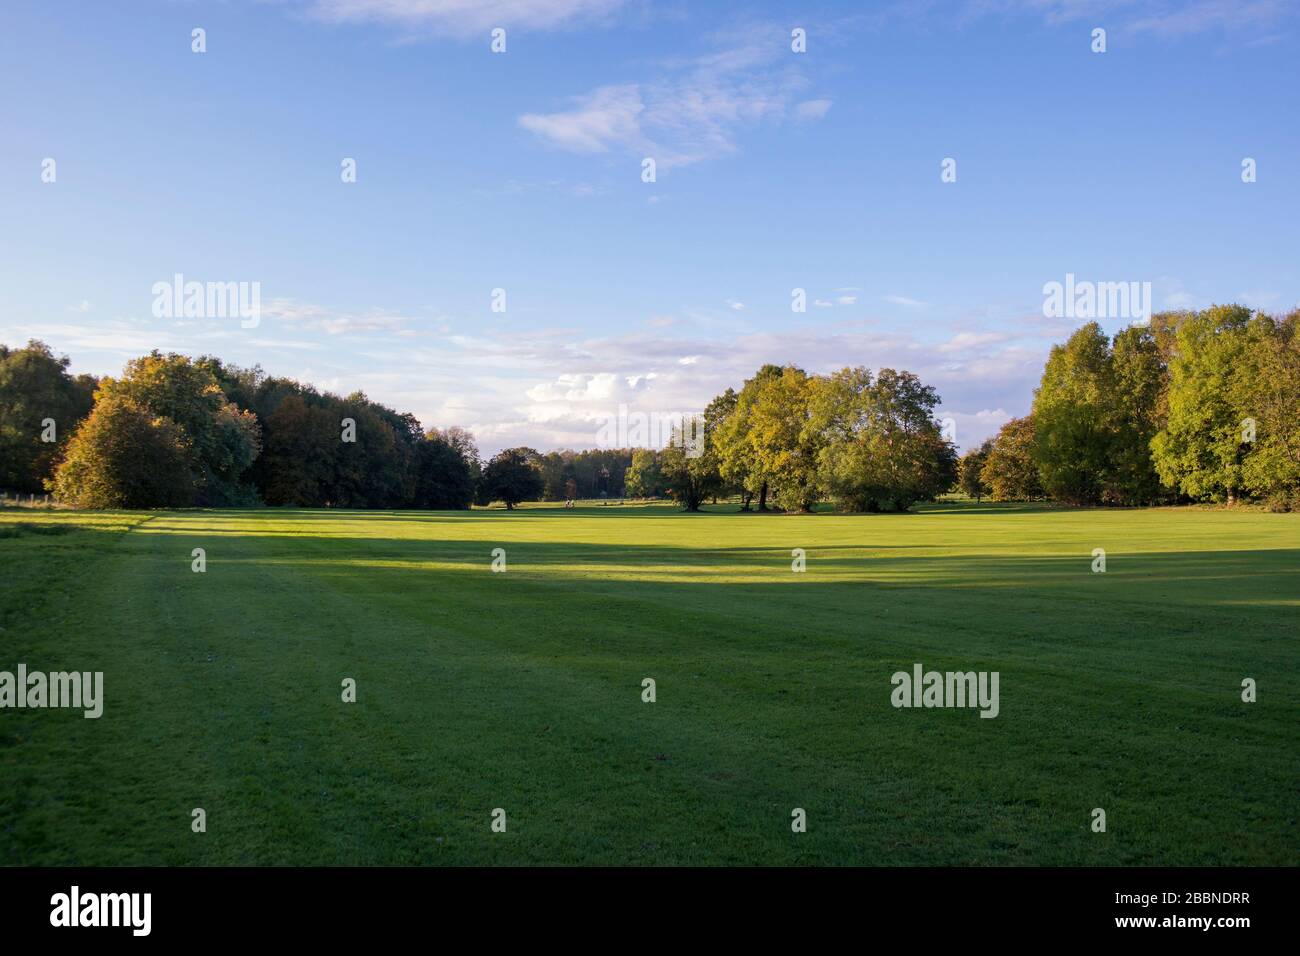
(41, 405)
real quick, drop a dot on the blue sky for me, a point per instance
(522, 171)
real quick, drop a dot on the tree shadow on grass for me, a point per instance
(1268, 577)
(639, 510)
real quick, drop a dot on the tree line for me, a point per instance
(1194, 406)
(178, 432)
(867, 442)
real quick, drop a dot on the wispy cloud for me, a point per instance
(904, 300)
(465, 17)
(1212, 15)
(309, 317)
(968, 341)
(695, 109)
(811, 109)
(1168, 18)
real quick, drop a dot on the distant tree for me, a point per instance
(882, 449)
(1010, 472)
(596, 472)
(556, 469)
(126, 456)
(35, 388)
(645, 479)
(445, 470)
(512, 476)
(689, 465)
(970, 471)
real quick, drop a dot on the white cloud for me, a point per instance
(694, 110)
(306, 316)
(968, 341)
(1210, 15)
(904, 300)
(812, 109)
(465, 17)
(600, 386)
(598, 120)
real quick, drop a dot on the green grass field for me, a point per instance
(522, 690)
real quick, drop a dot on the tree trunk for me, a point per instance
(762, 497)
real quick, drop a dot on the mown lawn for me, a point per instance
(522, 690)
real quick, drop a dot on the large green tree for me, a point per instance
(1202, 447)
(512, 476)
(880, 446)
(445, 470)
(689, 464)
(737, 452)
(222, 439)
(1234, 387)
(970, 471)
(645, 479)
(41, 405)
(1272, 468)
(1072, 417)
(1137, 412)
(782, 447)
(1010, 472)
(126, 456)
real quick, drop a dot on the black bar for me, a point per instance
(332, 906)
